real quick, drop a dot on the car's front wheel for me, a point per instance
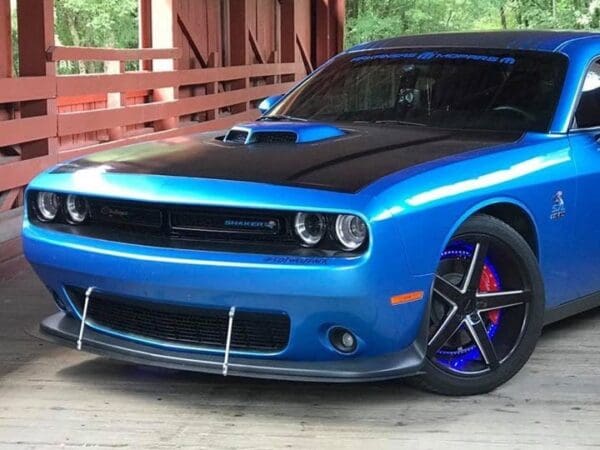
(486, 310)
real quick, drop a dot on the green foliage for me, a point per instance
(95, 23)
(15, 44)
(377, 19)
(90, 23)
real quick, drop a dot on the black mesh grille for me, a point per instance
(237, 136)
(274, 137)
(201, 327)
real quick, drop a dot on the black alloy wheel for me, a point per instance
(486, 309)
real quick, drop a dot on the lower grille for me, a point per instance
(201, 327)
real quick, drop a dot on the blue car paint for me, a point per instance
(268, 103)
(403, 212)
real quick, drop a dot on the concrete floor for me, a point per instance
(54, 397)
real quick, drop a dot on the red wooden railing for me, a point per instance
(102, 111)
(223, 57)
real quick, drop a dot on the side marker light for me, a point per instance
(406, 298)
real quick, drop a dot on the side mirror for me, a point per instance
(268, 103)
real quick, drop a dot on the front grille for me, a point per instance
(187, 225)
(185, 325)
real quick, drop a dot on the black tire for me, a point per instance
(503, 243)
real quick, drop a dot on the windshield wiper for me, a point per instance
(399, 122)
(280, 117)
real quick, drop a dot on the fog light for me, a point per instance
(47, 204)
(342, 340)
(77, 209)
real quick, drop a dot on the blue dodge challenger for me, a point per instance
(419, 206)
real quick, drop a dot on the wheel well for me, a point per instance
(517, 218)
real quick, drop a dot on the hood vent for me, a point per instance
(240, 136)
(281, 133)
(274, 137)
(237, 136)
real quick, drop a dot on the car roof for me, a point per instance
(551, 41)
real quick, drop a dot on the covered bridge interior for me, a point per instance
(202, 65)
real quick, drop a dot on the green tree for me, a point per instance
(376, 19)
(96, 23)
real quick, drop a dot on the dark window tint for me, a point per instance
(588, 111)
(460, 89)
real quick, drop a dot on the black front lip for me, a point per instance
(63, 329)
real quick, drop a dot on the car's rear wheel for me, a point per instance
(486, 310)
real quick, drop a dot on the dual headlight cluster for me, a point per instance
(348, 230)
(48, 206)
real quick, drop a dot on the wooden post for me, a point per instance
(145, 29)
(36, 23)
(5, 40)
(5, 50)
(321, 32)
(163, 28)
(238, 44)
(288, 36)
(115, 99)
(328, 29)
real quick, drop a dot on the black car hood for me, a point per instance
(345, 164)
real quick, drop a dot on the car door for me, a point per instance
(584, 138)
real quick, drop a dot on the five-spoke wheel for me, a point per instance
(486, 309)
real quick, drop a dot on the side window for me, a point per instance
(588, 111)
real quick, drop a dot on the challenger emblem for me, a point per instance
(558, 206)
(114, 212)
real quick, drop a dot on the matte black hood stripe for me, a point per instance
(345, 164)
(363, 154)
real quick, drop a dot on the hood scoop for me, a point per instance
(281, 133)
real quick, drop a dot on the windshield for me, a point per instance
(459, 89)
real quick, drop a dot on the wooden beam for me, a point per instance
(7, 200)
(86, 121)
(321, 34)
(145, 29)
(77, 85)
(5, 40)
(55, 53)
(340, 23)
(238, 45)
(193, 39)
(36, 22)
(258, 52)
(288, 31)
(163, 29)
(195, 127)
(305, 55)
(116, 98)
(20, 173)
(26, 130)
(26, 88)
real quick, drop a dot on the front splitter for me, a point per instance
(64, 330)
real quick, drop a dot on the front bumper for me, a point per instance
(63, 329)
(317, 295)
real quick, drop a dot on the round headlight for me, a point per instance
(77, 209)
(310, 228)
(47, 204)
(351, 231)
